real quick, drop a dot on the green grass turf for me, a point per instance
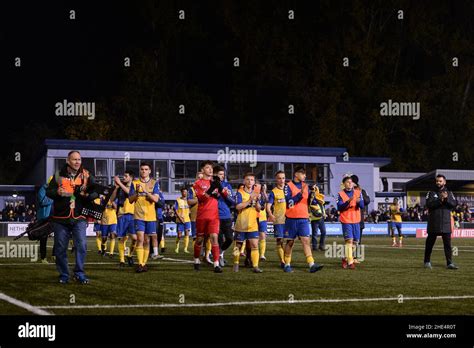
(386, 272)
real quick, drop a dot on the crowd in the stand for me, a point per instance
(415, 213)
(419, 213)
(19, 212)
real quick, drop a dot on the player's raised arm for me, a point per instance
(114, 194)
(201, 192)
(341, 205)
(132, 194)
(228, 196)
(192, 199)
(258, 206)
(154, 197)
(360, 202)
(292, 200)
(241, 205)
(120, 184)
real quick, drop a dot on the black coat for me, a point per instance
(366, 200)
(61, 205)
(439, 212)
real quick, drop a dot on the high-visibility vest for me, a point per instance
(300, 209)
(352, 214)
(69, 185)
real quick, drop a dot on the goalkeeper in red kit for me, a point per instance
(208, 190)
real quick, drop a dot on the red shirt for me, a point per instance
(207, 205)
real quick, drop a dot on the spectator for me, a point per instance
(11, 214)
(20, 208)
(29, 216)
(22, 217)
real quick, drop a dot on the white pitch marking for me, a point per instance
(244, 303)
(27, 306)
(411, 248)
(175, 261)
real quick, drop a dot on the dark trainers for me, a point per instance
(218, 269)
(197, 266)
(257, 270)
(314, 268)
(452, 266)
(139, 269)
(63, 281)
(130, 260)
(81, 280)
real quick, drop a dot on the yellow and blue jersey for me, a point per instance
(316, 209)
(144, 209)
(395, 213)
(262, 214)
(182, 209)
(109, 217)
(125, 207)
(247, 217)
(277, 199)
(194, 208)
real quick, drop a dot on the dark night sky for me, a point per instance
(283, 62)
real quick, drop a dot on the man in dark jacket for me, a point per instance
(43, 213)
(440, 203)
(68, 189)
(366, 198)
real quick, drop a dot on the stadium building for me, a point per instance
(176, 164)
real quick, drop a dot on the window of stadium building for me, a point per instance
(159, 169)
(264, 172)
(59, 163)
(315, 174)
(101, 171)
(101, 167)
(162, 173)
(183, 172)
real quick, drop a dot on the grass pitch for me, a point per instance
(390, 281)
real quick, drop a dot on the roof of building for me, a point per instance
(17, 188)
(401, 175)
(190, 147)
(457, 180)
